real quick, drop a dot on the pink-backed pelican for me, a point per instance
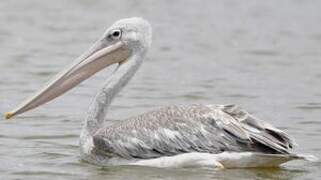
(218, 136)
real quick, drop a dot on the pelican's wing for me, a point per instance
(195, 128)
(260, 131)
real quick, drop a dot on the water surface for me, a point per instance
(264, 56)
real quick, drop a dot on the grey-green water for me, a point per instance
(262, 55)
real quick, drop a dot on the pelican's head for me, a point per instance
(123, 39)
(135, 33)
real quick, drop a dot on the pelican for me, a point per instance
(197, 135)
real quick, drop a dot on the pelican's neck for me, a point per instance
(98, 109)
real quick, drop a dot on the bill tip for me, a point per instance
(8, 115)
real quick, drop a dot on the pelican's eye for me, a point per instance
(114, 34)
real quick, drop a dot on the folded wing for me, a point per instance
(190, 128)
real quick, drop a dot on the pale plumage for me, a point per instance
(175, 136)
(189, 128)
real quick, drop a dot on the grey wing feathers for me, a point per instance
(191, 128)
(262, 132)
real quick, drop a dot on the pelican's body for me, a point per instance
(174, 136)
(189, 135)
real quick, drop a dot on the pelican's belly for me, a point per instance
(183, 160)
(221, 160)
